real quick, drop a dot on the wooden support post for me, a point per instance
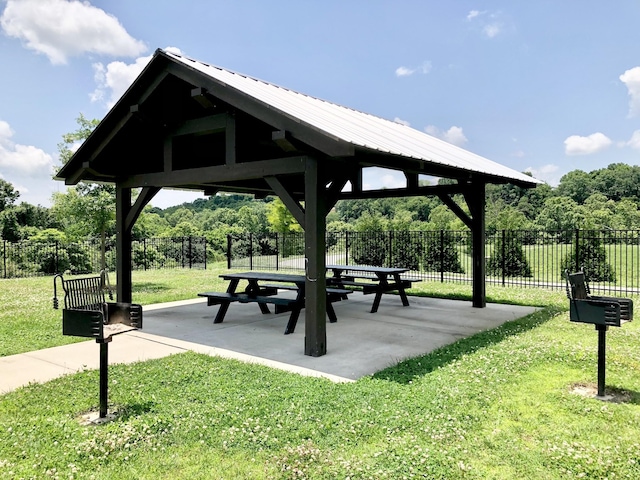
(315, 342)
(123, 244)
(476, 201)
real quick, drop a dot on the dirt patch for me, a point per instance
(590, 390)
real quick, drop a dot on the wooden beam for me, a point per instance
(210, 124)
(218, 174)
(143, 199)
(199, 94)
(412, 180)
(230, 140)
(280, 139)
(291, 203)
(168, 154)
(333, 192)
(455, 208)
(403, 192)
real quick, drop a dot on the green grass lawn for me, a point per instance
(496, 405)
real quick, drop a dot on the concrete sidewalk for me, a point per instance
(359, 344)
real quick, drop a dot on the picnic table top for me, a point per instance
(265, 276)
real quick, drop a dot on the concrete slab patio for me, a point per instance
(359, 344)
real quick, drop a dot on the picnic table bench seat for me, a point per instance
(216, 298)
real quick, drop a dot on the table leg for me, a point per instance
(376, 301)
(331, 313)
(254, 289)
(403, 294)
(293, 319)
(224, 306)
(295, 309)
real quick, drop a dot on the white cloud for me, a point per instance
(491, 24)
(114, 78)
(634, 142)
(547, 173)
(577, 145)
(454, 135)
(404, 72)
(492, 30)
(401, 122)
(22, 158)
(473, 14)
(631, 78)
(63, 28)
(407, 71)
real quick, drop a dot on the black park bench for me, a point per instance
(86, 313)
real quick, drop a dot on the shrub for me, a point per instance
(509, 259)
(592, 257)
(440, 253)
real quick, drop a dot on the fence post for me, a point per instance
(251, 251)
(229, 250)
(346, 248)
(577, 249)
(205, 252)
(4, 257)
(441, 256)
(277, 253)
(144, 253)
(503, 252)
(390, 248)
(190, 252)
(182, 251)
(56, 257)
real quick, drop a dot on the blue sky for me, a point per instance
(544, 86)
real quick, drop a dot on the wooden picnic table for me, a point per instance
(262, 288)
(372, 279)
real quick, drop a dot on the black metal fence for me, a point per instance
(26, 259)
(520, 258)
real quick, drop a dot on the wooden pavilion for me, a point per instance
(186, 124)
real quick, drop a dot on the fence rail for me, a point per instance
(523, 258)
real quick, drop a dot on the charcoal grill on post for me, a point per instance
(86, 313)
(603, 312)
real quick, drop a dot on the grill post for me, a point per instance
(602, 346)
(104, 375)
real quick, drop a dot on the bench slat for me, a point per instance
(214, 298)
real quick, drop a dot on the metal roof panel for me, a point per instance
(357, 128)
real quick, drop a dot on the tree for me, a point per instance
(70, 141)
(560, 213)
(8, 194)
(577, 185)
(90, 205)
(281, 220)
